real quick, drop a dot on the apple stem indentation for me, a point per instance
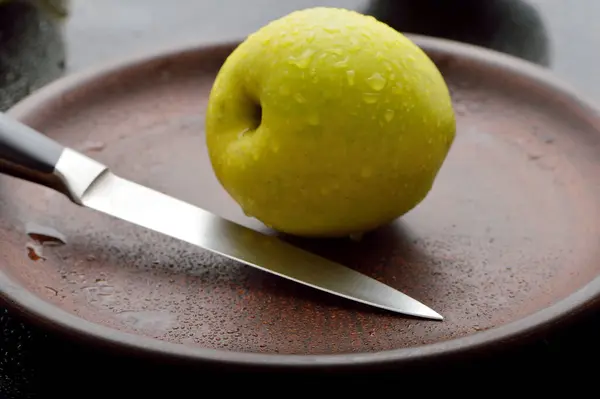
(257, 117)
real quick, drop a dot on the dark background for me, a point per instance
(560, 34)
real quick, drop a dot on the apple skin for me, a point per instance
(328, 123)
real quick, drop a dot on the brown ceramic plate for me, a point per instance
(505, 245)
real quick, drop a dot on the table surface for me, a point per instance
(28, 356)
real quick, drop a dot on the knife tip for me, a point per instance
(427, 313)
(435, 316)
(424, 312)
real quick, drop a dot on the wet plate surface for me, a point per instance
(510, 228)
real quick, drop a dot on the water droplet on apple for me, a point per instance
(284, 90)
(299, 98)
(366, 172)
(376, 82)
(370, 98)
(350, 76)
(397, 89)
(342, 63)
(388, 115)
(304, 59)
(313, 120)
(242, 133)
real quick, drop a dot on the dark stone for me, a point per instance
(32, 51)
(510, 26)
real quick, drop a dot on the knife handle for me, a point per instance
(27, 154)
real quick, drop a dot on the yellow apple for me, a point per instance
(327, 123)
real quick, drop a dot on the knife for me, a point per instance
(32, 156)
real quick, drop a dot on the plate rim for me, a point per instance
(41, 312)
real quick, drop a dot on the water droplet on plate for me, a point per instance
(44, 235)
(100, 293)
(92, 146)
(159, 321)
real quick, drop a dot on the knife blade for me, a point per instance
(30, 155)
